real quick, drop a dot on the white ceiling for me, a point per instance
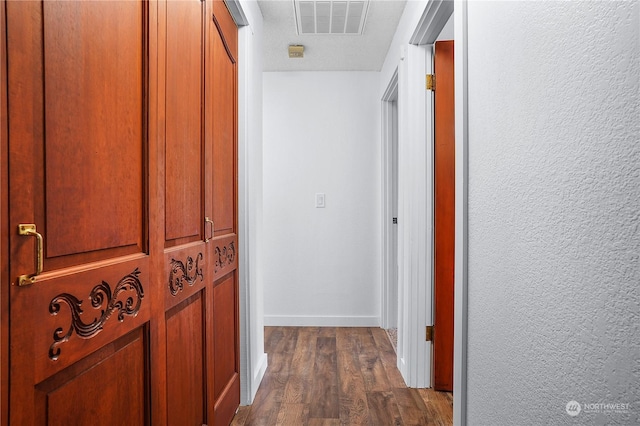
(323, 52)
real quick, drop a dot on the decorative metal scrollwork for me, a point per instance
(180, 273)
(101, 296)
(225, 255)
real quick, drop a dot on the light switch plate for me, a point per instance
(320, 200)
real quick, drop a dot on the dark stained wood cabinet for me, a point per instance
(119, 179)
(185, 253)
(224, 187)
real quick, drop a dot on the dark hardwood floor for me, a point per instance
(338, 376)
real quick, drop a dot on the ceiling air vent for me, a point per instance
(330, 17)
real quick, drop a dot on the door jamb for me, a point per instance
(462, 224)
(431, 23)
(415, 257)
(253, 360)
(389, 98)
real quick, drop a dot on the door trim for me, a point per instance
(434, 18)
(415, 217)
(253, 359)
(389, 115)
(460, 320)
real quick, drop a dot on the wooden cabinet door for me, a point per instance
(188, 294)
(77, 81)
(223, 48)
(200, 244)
(122, 142)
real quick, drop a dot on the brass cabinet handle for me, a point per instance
(29, 230)
(208, 221)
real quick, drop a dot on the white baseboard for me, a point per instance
(258, 375)
(320, 321)
(402, 366)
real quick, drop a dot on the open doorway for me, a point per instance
(390, 211)
(414, 255)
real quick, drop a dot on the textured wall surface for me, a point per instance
(321, 265)
(554, 212)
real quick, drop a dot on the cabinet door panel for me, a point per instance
(184, 129)
(185, 363)
(78, 154)
(94, 127)
(185, 252)
(224, 126)
(111, 391)
(223, 248)
(224, 314)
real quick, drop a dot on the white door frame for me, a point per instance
(253, 360)
(415, 216)
(433, 20)
(461, 200)
(418, 197)
(244, 279)
(389, 268)
(435, 16)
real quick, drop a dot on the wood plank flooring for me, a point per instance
(325, 376)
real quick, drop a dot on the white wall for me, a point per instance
(253, 360)
(554, 200)
(447, 32)
(321, 135)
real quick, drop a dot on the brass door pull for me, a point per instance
(208, 221)
(29, 230)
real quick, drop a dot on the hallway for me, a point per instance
(338, 376)
(166, 192)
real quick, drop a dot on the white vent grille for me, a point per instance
(330, 17)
